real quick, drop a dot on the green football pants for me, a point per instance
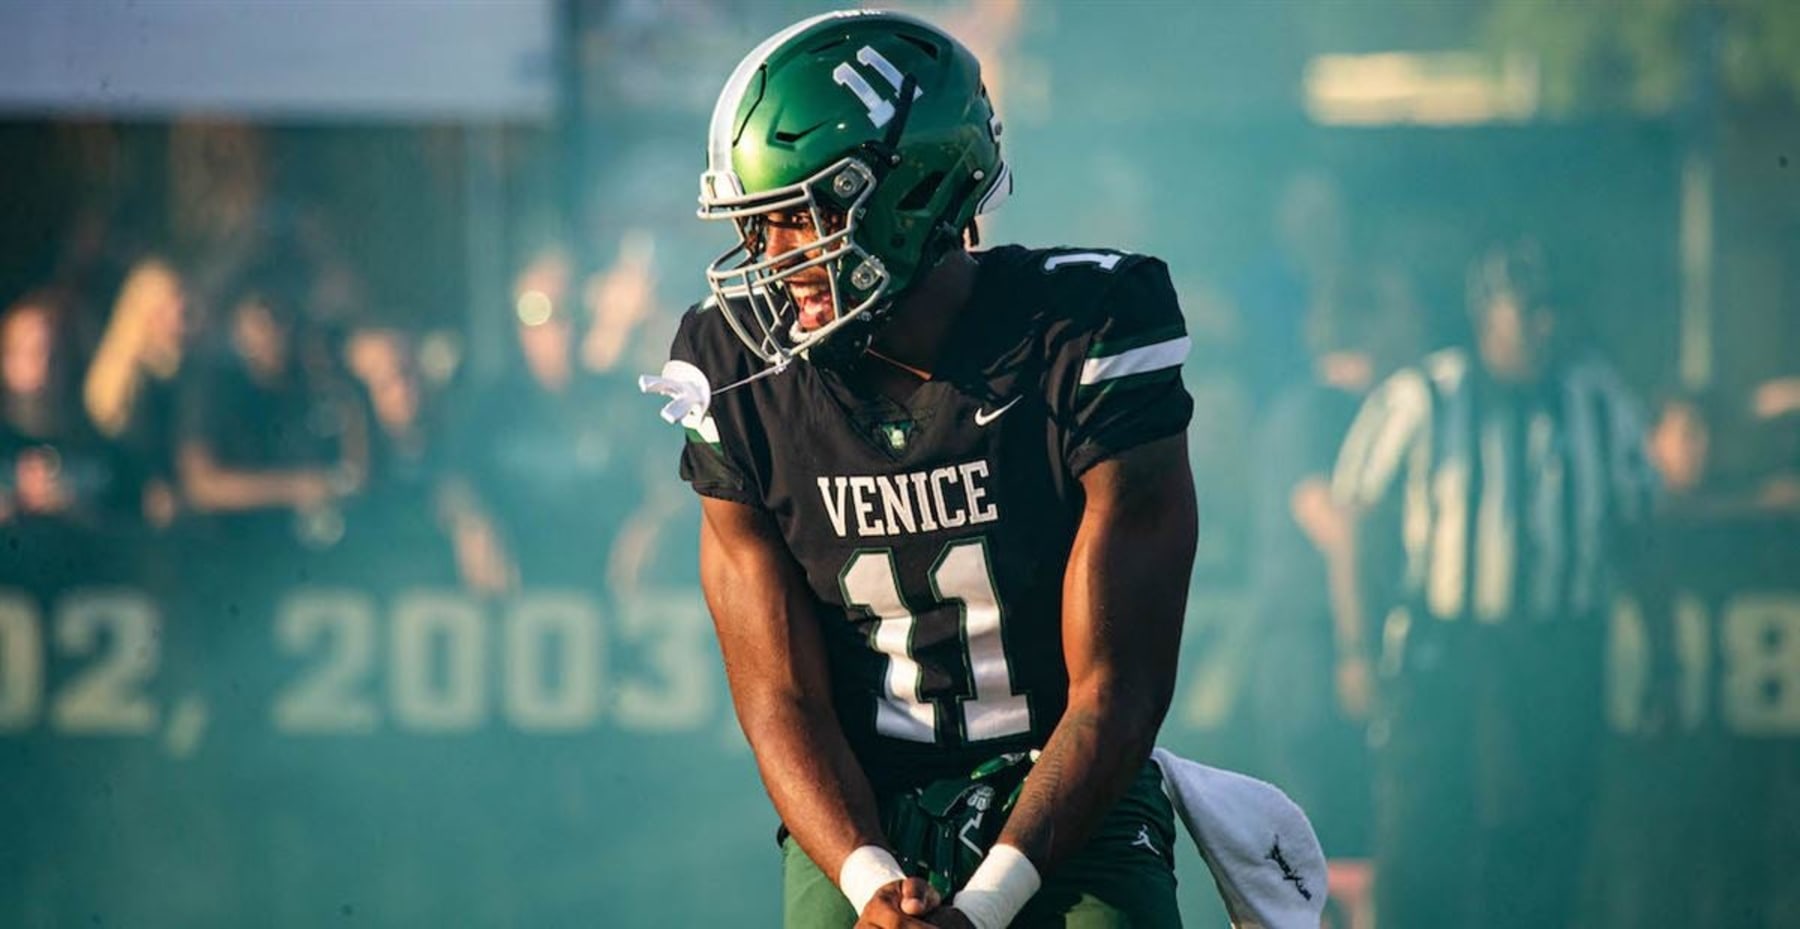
(1124, 878)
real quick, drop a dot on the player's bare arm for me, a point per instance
(775, 665)
(1124, 593)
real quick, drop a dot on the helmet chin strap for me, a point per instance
(843, 349)
(772, 369)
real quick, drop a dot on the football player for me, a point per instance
(948, 516)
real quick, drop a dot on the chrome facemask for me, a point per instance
(750, 288)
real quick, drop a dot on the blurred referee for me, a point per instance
(1514, 479)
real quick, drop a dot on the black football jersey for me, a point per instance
(934, 533)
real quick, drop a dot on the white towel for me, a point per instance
(1258, 844)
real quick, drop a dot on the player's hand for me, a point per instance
(950, 917)
(900, 905)
(1355, 686)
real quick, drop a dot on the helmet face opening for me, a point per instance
(751, 286)
(876, 129)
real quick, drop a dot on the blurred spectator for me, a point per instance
(1525, 492)
(619, 301)
(268, 443)
(1300, 552)
(626, 336)
(53, 465)
(397, 512)
(131, 391)
(542, 478)
(382, 360)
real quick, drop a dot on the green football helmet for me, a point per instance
(877, 127)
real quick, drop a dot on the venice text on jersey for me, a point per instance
(918, 501)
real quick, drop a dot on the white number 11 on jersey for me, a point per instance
(960, 574)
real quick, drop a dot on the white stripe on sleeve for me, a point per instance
(1153, 357)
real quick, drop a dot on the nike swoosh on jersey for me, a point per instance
(983, 417)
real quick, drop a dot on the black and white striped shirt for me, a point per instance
(1512, 497)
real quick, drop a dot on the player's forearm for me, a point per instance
(1090, 760)
(819, 790)
(781, 685)
(1124, 596)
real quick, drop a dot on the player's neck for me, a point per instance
(915, 336)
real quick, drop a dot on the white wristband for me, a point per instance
(999, 888)
(865, 871)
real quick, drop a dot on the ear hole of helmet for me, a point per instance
(922, 193)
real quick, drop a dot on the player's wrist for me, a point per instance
(1000, 887)
(865, 871)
